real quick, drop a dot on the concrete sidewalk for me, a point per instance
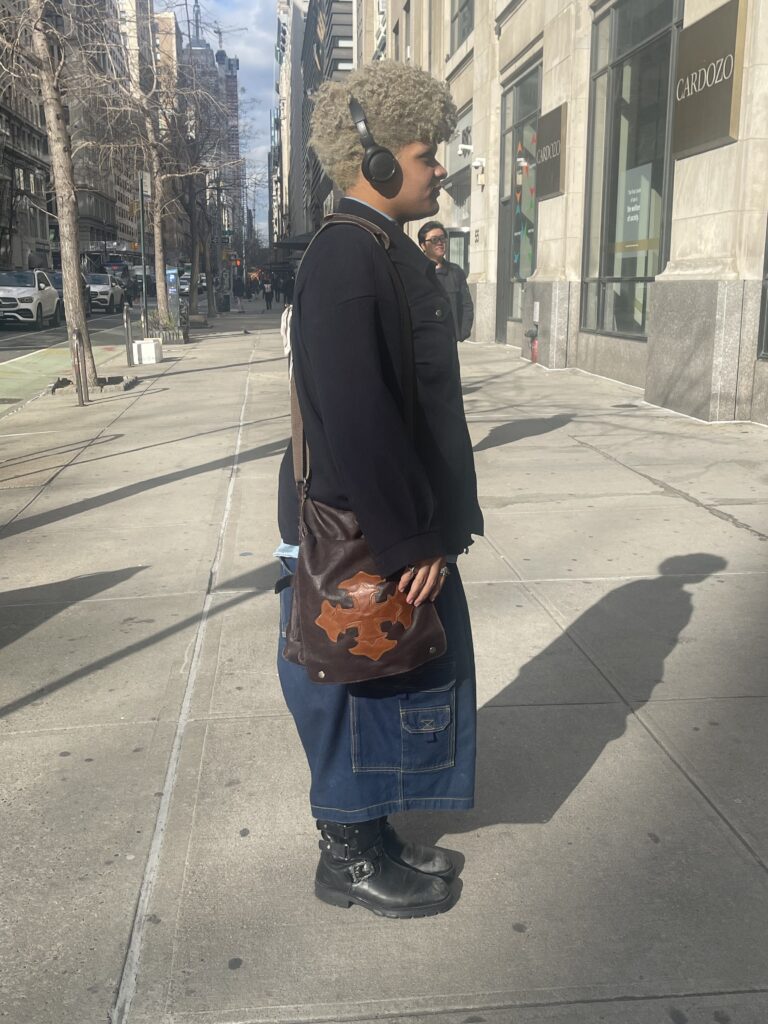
(158, 847)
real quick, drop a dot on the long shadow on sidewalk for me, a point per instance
(265, 575)
(26, 608)
(534, 748)
(19, 526)
(516, 430)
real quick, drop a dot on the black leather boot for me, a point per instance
(431, 860)
(354, 868)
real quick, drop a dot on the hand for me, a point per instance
(422, 580)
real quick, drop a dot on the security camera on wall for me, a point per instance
(464, 149)
(478, 163)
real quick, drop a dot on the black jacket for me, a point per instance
(414, 499)
(454, 281)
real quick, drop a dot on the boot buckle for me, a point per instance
(361, 870)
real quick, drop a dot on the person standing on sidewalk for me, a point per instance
(267, 286)
(407, 742)
(433, 240)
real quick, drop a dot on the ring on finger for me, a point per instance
(445, 571)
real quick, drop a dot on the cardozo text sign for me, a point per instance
(710, 63)
(550, 153)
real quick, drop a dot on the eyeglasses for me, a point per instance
(436, 240)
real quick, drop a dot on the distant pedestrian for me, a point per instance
(434, 241)
(268, 291)
(278, 288)
(288, 290)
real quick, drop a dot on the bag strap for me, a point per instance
(301, 458)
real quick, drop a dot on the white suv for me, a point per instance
(28, 297)
(106, 292)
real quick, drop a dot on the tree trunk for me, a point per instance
(63, 174)
(158, 197)
(210, 291)
(194, 241)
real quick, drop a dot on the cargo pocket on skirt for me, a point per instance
(413, 731)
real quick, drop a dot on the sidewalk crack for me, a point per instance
(674, 492)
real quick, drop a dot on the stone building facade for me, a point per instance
(608, 191)
(24, 172)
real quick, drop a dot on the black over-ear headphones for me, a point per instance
(379, 163)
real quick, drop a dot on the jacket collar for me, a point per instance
(402, 248)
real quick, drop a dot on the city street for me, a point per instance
(159, 852)
(15, 343)
(31, 361)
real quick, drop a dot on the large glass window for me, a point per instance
(629, 184)
(462, 21)
(517, 215)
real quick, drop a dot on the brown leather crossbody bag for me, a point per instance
(349, 624)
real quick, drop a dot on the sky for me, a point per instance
(250, 32)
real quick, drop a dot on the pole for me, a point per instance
(81, 375)
(218, 241)
(143, 252)
(128, 335)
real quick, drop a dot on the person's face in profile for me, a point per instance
(422, 174)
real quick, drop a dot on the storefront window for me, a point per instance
(517, 214)
(630, 167)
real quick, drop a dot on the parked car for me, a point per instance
(184, 281)
(106, 293)
(57, 280)
(28, 297)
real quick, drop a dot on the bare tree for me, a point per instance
(34, 49)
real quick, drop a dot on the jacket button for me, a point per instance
(321, 675)
(439, 313)
(433, 650)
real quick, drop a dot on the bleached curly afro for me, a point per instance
(402, 104)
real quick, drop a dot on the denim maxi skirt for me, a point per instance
(404, 744)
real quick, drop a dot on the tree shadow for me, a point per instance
(516, 430)
(26, 608)
(228, 366)
(534, 747)
(75, 508)
(239, 597)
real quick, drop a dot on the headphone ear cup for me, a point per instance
(379, 165)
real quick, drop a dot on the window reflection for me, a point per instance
(517, 220)
(629, 166)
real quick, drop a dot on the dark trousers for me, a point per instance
(407, 743)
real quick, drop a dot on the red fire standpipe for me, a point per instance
(532, 334)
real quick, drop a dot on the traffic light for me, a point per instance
(238, 263)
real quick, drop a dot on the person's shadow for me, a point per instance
(535, 742)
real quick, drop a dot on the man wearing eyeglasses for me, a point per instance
(433, 241)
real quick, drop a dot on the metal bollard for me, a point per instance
(128, 335)
(81, 374)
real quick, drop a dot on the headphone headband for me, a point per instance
(359, 121)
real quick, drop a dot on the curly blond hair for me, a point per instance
(402, 104)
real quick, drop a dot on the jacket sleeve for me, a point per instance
(467, 308)
(346, 361)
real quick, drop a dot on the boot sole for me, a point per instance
(340, 899)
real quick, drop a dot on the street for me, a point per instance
(159, 849)
(17, 344)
